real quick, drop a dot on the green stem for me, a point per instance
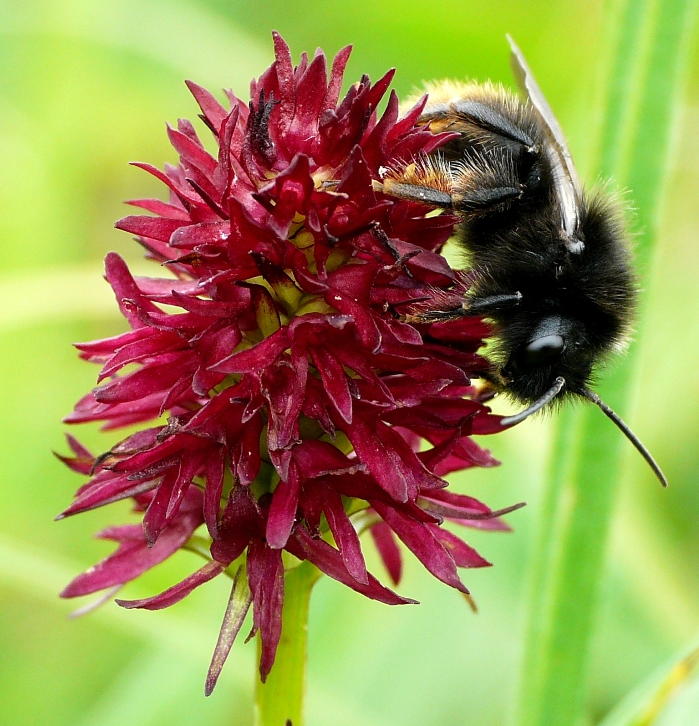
(586, 469)
(279, 701)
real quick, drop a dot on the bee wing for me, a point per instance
(565, 174)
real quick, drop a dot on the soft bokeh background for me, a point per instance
(86, 87)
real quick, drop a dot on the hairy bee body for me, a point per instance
(550, 264)
(503, 186)
(561, 298)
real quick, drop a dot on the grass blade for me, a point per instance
(642, 94)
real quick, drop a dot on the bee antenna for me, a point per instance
(555, 389)
(630, 435)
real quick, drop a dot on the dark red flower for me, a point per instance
(297, 400)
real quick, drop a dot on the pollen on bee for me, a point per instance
(430, 171)
(427, 179)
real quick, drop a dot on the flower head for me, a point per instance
(289, 404)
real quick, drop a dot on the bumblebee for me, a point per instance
(550, 264)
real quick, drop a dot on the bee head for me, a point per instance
(553, 359)
(540, 351)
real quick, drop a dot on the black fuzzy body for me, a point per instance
(590, 293)
(504, 188)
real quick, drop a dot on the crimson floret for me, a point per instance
(299, 406)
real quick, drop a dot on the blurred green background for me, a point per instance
(84, 88)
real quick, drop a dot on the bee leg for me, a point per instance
(473, 201)
(418, 193)
(435, 316)
(480, 201)
(491, 304)
(473, 307)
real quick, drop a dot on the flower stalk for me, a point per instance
(587, 465)
(279, 700)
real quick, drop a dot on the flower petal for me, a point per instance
(257, 357)
(133, 557)
(345, 537)
(329, 560)
(464, 556)
(177, 592)
(388, 549)
(334, 382)
(266, 576)
(282, 510)
(422, 542)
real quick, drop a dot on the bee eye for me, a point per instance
(543, 349)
